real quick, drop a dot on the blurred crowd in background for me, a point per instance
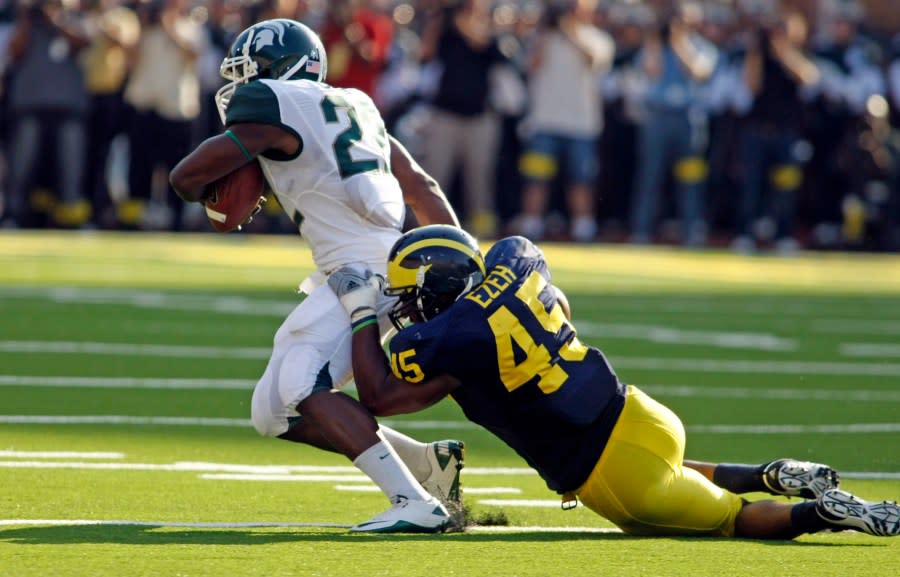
(749, 124)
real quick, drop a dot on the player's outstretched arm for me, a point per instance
(421, 192)
(379, 390)
(383, 393)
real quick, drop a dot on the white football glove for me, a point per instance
(358, 291)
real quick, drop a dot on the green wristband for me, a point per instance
(363, 323)
(240, 144)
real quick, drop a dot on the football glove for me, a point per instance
(358, 291)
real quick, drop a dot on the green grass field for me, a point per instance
(127, 361)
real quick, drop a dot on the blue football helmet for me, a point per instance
(429, 268)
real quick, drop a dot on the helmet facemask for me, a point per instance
(407, 308)
(428, 297)
(238, 70)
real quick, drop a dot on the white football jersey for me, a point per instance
(339, 189)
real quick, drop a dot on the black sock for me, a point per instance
(739, 478)
(805, 519)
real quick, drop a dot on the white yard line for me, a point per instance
(342, 472)
(193, 421)
(61, 455)
(785, 394)
(671, 335)
(871, 475)
(235, 471)
(238, 304)
(309, 473)
(94, 348)
(870, 350)
(342, 475)
(530, 503)
(795, 429)
(121, 420)
(725, 392)
(857, 326)
(535, 529)
(125, 382)
(277, 525)
(875, 369)
(211, 302)
(743, 366)
(491, 491)
(358, 488)
(289, 478)
(213, 525)
(370, 488)
(222, 422)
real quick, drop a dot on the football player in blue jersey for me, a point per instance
(495, 333)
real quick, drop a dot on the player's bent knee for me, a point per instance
(268, 412)
(261, 415)
(288, 380)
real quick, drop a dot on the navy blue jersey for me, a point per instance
(525, 375)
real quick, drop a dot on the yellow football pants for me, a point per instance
(641, 485)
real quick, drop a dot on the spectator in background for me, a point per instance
(115, 30)
(514, 27)
(565, 117)
(459, 47)
(849, 68)
(164, 92)
(726, 100)
(775, 69)
(47, 98)
(622, 89)
(7, 25)
(260, 10)
(358, 41)
(223, 22)
(673, 131)
(892, 215)
(398, 83)
(893, 80)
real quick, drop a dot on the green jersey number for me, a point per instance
(539, 361)
(359, 115)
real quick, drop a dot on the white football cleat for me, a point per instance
(799, 478)
(408, 516)
(845, 511)
(447, 461)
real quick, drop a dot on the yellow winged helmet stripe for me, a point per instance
(400, 276)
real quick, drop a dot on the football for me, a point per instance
(236, 197)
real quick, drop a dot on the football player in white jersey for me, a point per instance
(346, 183)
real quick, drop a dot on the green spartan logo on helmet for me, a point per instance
(284, 50)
